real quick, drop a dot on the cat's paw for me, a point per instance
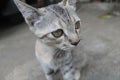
(77, 75)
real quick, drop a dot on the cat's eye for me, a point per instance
(77, 25)
(57, 33)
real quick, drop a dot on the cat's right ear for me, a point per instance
(71, 3)
(30, 14)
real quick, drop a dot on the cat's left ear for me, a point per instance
(30, 14)
(71, 3)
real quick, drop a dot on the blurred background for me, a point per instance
(8, 10)
(100, 34)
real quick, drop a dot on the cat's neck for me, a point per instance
(48, 49)
(45, 52)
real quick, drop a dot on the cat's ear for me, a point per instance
(29, 13)
(71, 3)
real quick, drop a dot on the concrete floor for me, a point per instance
(100, 42)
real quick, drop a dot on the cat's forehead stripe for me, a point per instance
(68, 14)
(74, 19)
(61, 12)
(61, 24)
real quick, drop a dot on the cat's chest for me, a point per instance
(54, 57)
(60, 55)
(60, 59)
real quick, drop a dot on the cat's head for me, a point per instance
(57, 25)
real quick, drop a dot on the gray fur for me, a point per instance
(54, 54)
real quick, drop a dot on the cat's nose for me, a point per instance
(75, 43)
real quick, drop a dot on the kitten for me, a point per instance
(57, 28)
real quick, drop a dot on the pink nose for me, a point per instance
(75, 43)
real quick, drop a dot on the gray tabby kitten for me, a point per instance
(57, 28)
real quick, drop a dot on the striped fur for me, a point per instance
(54, 53)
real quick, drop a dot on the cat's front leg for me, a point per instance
(70, 73)
(49, 73)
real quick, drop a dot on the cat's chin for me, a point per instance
(67, 48)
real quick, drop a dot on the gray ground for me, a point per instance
(100, 42)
